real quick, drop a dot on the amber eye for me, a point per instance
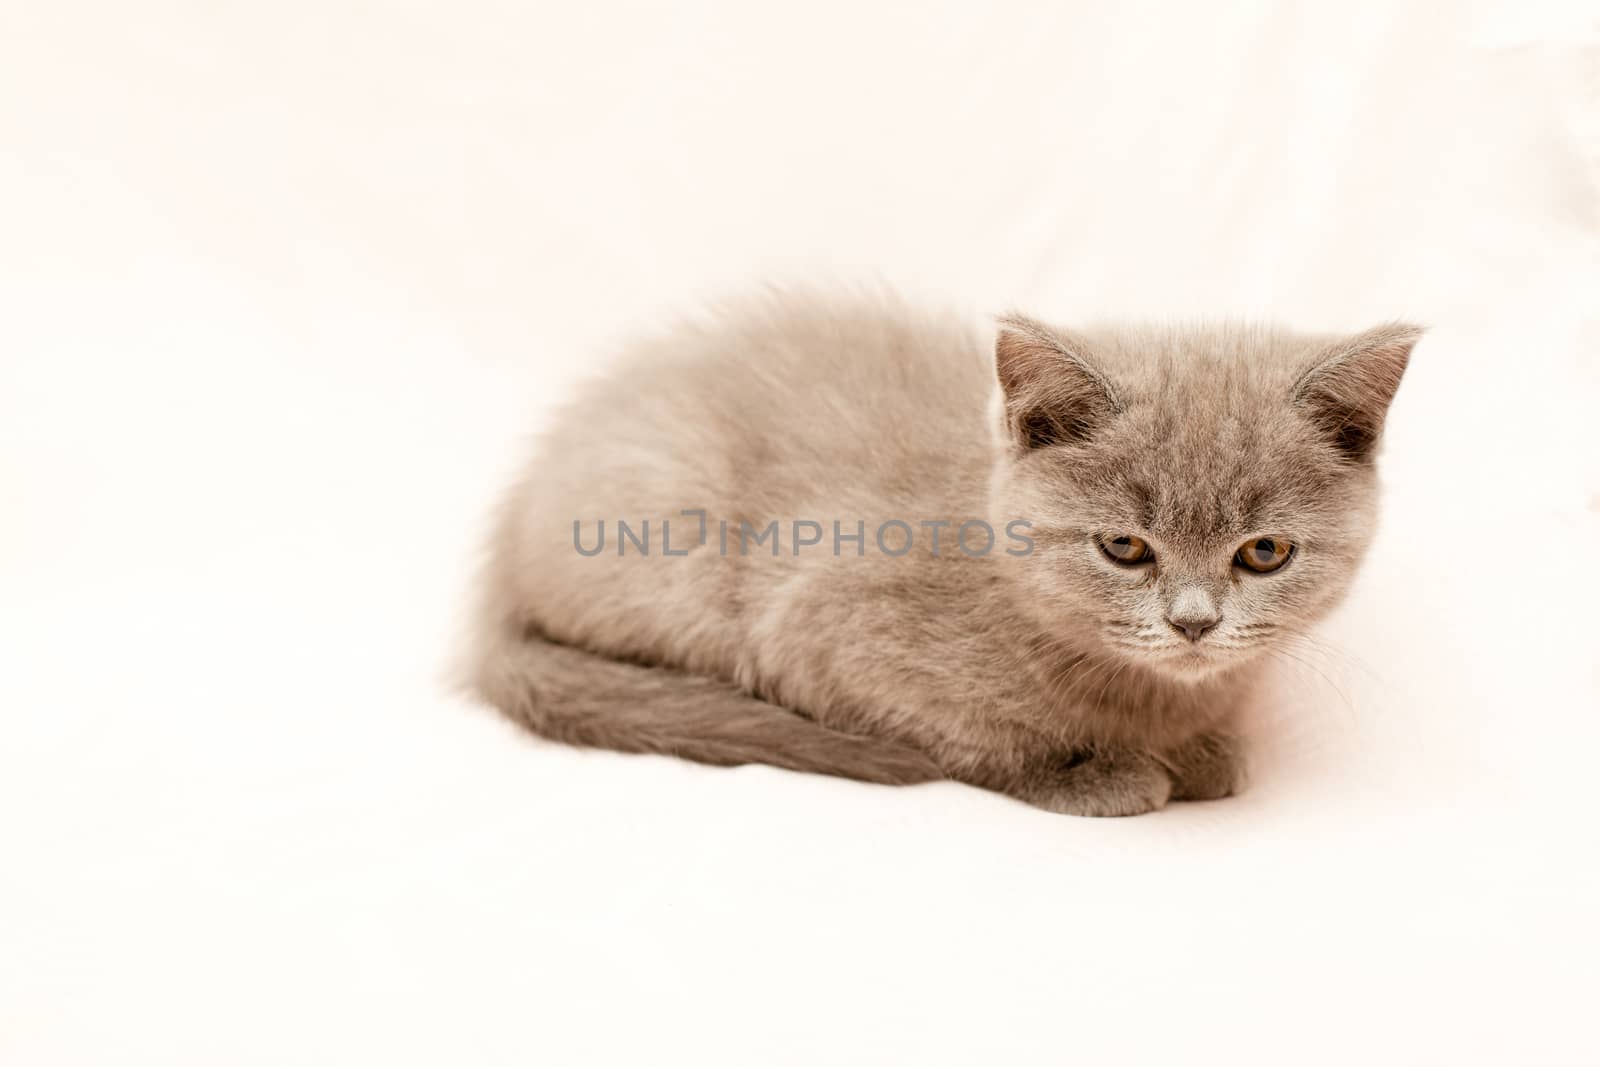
(1263, 555)
(1126, 549)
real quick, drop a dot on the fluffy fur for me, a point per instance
(1059, 677)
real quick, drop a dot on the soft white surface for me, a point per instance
(282, 288)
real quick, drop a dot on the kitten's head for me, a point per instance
(1198, 495)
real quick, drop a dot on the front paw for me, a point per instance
(1103, 783)
(1206, 767)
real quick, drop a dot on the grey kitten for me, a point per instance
(1163, 506)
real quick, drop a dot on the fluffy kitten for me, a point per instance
(1169, 502)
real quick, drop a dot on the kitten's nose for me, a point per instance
(1193, 626)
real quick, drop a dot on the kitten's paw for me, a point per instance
(1206, 767)
(1104, 784)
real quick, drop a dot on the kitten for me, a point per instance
(1163, 506)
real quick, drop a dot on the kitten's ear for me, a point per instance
(1053, 393)
(1347, 391)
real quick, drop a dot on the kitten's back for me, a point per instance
(781, 408)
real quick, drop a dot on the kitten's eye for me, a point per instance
(1263, 555)
(1126, 549)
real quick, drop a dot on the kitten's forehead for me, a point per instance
(1203, 481)
(1207, 444)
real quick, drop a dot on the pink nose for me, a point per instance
(1194, 627)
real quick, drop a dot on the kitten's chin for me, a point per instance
(1192, 664)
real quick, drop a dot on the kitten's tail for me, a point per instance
(580, 698)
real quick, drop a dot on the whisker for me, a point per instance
(1343, 656)
(1288, 655)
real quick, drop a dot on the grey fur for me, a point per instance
(1055, 677)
